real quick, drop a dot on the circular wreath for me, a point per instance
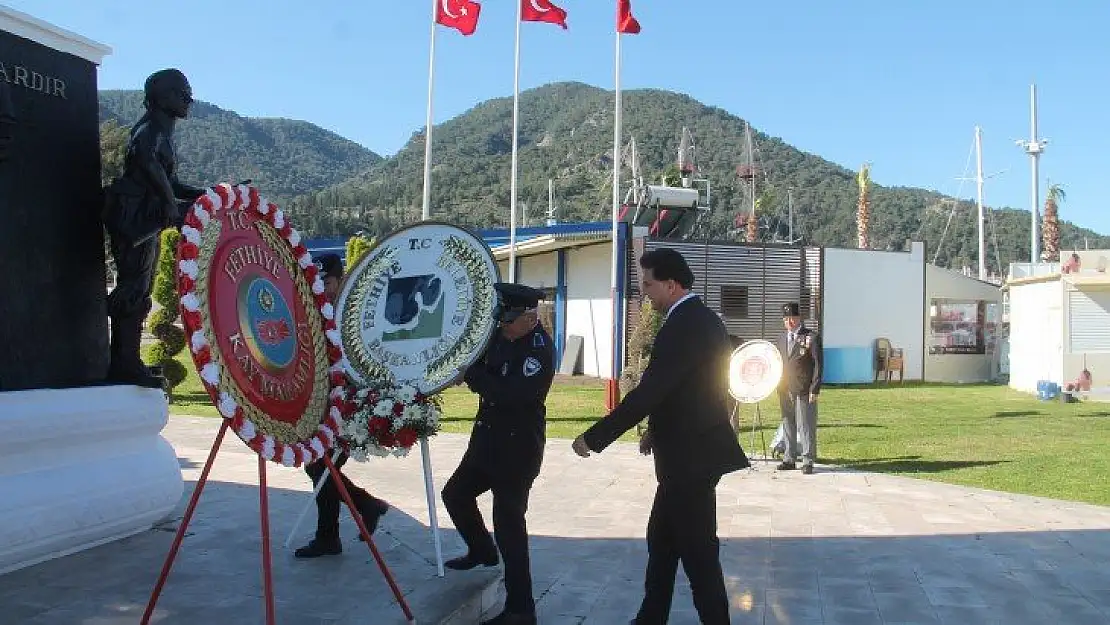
(384, 419)
(246, 198)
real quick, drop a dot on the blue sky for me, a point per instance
(898, 84)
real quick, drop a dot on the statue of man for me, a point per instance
(146, 199)
(7, 121)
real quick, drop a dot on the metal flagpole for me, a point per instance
(516, 130)
(616, 199)
(426, 211)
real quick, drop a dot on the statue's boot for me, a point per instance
(127, 367)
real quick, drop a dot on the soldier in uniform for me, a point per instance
(506, 448)
(142, 202)
(329, 501)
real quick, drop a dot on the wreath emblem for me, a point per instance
(260, 331)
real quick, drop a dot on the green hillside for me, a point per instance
(566, 134)
(283, 157)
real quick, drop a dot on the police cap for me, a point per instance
(791, 310)
(516, 299)
(330, 266)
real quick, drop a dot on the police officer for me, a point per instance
(329, 501)
(506, 448)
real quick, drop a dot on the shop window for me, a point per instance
(957, 326)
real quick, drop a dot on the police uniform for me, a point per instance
(505, 452)
(328, 501)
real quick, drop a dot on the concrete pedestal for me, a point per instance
(80, 468)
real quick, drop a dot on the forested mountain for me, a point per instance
(566, 135)
(283, 157)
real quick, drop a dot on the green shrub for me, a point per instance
(170, 339)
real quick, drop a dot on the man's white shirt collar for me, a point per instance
(675, 305)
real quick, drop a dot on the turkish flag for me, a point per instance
(625, 22)
(462, 15)
(542, 11)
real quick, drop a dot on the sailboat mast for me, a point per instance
(979, 188)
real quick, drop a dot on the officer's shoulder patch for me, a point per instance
(537, 340)
(532, 366)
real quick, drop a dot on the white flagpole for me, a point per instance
(516, 130)
(426, 211)
(616, 200)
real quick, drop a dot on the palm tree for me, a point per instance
(863, 218)
(1050, 226)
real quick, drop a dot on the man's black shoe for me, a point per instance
(510, 618)
(316, 548)
(807, 469)
(371, 515)
(467, 562)
(786, 466)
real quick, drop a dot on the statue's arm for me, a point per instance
(146, 153)
(183, 190)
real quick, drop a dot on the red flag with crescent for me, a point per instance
(626, 24)
(542, 11)
(462, 15)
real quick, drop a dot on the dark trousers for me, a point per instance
(130, 302)
(510, 503)
(683, 527)
(329, 501)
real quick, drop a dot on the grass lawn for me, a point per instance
(982, 436)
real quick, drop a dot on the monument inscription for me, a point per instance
(53, 319)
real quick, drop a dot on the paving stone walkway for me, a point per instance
(834, 548)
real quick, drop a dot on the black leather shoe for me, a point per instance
(371, 515)
(786, 466)
(510, 618)
(467, 562)
(807, 469)
(316, 548)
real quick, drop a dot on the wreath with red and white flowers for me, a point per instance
(384, 419)
(225, 197)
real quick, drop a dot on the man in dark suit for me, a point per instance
(798, 389)
(684, 394)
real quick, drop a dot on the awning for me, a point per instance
(549, 243)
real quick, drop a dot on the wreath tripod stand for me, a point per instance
(267, 577)
(757, 424)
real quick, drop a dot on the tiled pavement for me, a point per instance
(836, 547)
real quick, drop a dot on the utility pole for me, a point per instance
(790, 213)
(1034, 147)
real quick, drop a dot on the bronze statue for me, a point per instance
(142, 202)
(7, 120)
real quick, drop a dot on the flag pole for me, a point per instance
(516, 130)
(616, 202)
(426, 209)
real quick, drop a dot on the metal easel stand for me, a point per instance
(757, 424)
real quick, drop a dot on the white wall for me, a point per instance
(1036, 334)
(540, 271)
(870, 294)
(503, 266)
(943, 283)
(589, 314)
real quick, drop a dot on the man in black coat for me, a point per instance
(801, 382)
(506, 448)
(684, 394)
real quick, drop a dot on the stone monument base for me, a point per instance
(80, 468)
